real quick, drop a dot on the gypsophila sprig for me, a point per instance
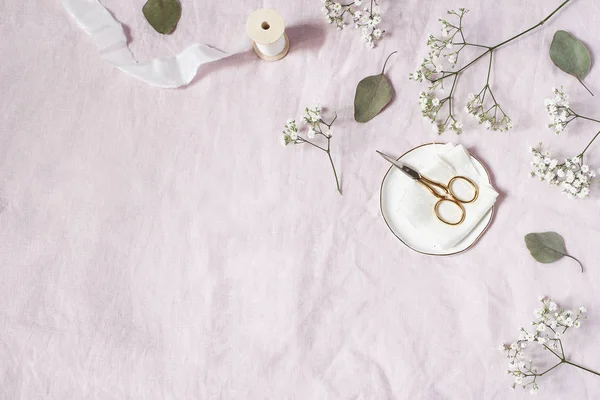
(316, 128)
(367, 20)
(547, 331)
(573, 176)
(439, 68)
(558, 110)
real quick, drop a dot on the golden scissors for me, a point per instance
(444, 193)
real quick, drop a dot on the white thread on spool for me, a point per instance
(267, 29)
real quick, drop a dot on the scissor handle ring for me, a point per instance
(437, 211)
(470, 182)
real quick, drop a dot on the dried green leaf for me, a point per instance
(372, 94)
(547, 247)
(570, 55)
(163, 15)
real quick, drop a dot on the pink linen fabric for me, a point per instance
(161, 244)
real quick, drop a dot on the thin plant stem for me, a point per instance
(487, 82)
(312, 144)
(337, 182)
(326, 150)
(580, 264)
(553, 352)
(586, 88)
(561, 347)
(471, 44)
(584, 117)
(579, 366)
(533, 27)
(589, 144)
(548, 370)
(331, 123)
(386, 60)
(450, 97)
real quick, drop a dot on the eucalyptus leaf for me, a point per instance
(547, 247)
(163, 15)
(570, 55)
(372, 94)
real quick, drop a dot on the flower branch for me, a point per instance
(548, 320)
(367, 20)
(483, 106)
(313, 119)
(573, 176)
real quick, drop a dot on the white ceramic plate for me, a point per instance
(402, 228)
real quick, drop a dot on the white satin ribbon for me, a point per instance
(108, 34)
(272, 49)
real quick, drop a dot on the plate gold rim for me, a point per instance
(406, 244)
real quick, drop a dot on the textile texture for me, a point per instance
(162, 244)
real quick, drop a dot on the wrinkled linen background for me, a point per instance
(161, 244)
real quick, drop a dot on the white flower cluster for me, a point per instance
(444, 46)
(431, 70)
(572, 176)
(430, 106)
(367, 20)
(548, 328)
(488, 116)
(290, 133)
(558, 110)
(311, 118)
(316, 126)
(440, 48)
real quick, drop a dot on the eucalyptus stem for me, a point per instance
(586, 88)
(386, 61)
(579, 262)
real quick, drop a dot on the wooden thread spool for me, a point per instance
(267, 29)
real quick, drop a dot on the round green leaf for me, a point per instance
(163, 15)
(372, 94)
(546, 247)
(570, 55)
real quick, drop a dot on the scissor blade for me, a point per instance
(407, 170)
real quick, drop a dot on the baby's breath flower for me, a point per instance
(534, 390)
(367, 20)
(558, 110)
(316, 127)
(430, 105)
(447, 48)
(573, 177)
(525, 374)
